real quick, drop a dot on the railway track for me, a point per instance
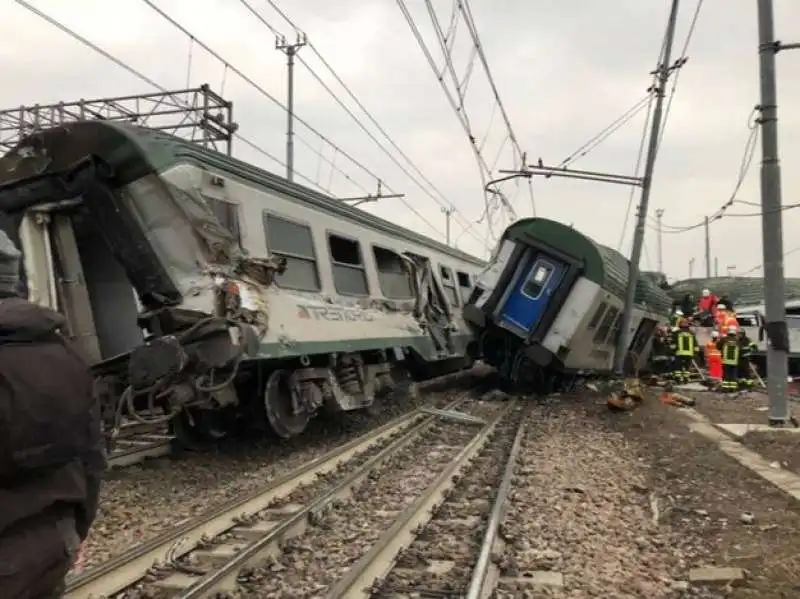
(442, 545)
(207, 554)
(138, 442)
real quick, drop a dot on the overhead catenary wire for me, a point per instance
(141, 76)
(637, 167)
(744, 168)
(442, 199)
(483, 168)
(607, 131)
(677, 66)
(277, 102)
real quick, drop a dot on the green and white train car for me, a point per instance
(549, 306)
(217, 291)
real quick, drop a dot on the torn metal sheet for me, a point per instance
(455, 415)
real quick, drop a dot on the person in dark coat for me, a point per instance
(51, 471)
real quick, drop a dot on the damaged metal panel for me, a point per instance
(72, 287)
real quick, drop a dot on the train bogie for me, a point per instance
(219, 293)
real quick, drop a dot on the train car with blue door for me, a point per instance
(549, 306)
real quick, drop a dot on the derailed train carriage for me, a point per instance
(208, 292)
(549, 307)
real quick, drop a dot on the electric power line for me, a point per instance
(277, 102)
(142, 77)
(444, 201)
(744, 167)
(461, 116)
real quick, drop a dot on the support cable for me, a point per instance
(274, 100)
(444, 202)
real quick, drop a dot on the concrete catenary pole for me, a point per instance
(707, 230)
(623, 340)
(290, 50)
(772, 221)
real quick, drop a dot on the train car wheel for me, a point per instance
(279, 407)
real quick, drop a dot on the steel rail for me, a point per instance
(380, 559)
(480, 584)
(131, 566)
(139, 450)
(226, 577)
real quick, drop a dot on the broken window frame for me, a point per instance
(337, 266)
(449, 285)
(403, 270)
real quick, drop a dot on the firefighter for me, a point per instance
(670, 347)
(720, 316)
(746, 349)
(676, 318)
(713, 357)
(685, 349)
(730, 361)
(710, 346)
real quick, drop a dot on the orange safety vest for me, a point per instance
(729, 321)
(712, 349)
(720, 317)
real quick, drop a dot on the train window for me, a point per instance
(393, 277)
(605, 325)
(449, 284)
(598, 314)
(349, 274)
(294, 242)
(227, 214)
(464, 284)
(537, 279)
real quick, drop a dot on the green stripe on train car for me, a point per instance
(603, 265)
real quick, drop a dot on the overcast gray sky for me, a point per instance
(564, 69)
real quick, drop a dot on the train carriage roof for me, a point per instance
(134, 152)
(603, 265)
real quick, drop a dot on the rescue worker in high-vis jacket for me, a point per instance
(729, 347)
(676, 318)
(686, 347)
(713, 357)
(671, 341)
(746, 349)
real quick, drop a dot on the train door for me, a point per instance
(638, 344)
(531, 293)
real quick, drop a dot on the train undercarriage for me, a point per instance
(520, 367)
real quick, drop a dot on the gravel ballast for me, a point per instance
(626, 505)
(143, 500)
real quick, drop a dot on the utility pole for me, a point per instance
(691, 267)
(708, 249)
(659, 216)
(772, 220)
(448, 213)
(290, 50)
(716, 266)
(663, 72)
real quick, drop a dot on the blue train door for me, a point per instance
(531, 294)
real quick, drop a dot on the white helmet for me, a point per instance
(714, 334)
(722, 307)
(706, 292)
(732, 330)
(678, 312)
(674, 329)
